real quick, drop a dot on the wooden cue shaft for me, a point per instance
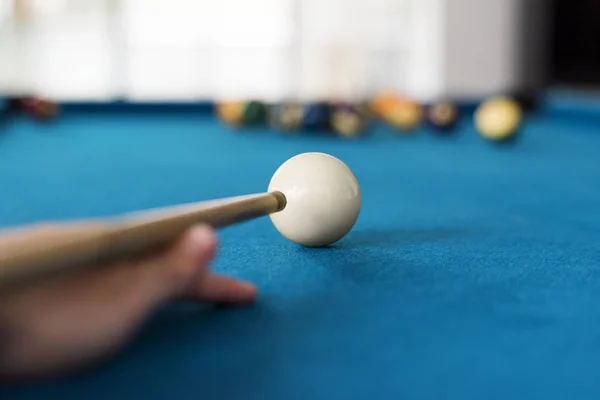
(88, 245)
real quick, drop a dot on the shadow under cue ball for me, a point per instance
(323, 199)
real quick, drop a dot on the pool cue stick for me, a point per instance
(90, 244)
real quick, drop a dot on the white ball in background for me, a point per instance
(323, 199)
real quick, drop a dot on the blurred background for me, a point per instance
(202, 50)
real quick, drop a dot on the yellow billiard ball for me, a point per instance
(231, 112)
(498, 118)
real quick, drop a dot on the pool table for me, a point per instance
(473, 270)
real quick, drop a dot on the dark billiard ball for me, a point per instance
(40, 109)
(9, 107)
(230, 112)
(442, 116)
(348, 120)
(498, 119)
(254, 113)
(316, 116)
(286, 117)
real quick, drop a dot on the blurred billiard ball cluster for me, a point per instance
(346, 119)
(497, 119)
(37, 108)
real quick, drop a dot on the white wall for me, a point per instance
(270, 49)
(488, 43)
(426, 64)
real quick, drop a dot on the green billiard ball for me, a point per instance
(254, 113)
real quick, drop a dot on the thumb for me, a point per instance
(185, 264)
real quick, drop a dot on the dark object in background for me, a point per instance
(9, 107)
(574, 38)
(527, 101)
(317, 116)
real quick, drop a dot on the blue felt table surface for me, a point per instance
(473, 271)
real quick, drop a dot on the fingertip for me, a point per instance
(200, 239)
(222, 289)
(247, 293)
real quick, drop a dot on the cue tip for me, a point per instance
(281, 200)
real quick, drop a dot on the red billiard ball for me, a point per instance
(40, 109)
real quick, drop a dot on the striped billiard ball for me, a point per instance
(442, 116)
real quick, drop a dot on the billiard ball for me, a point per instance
(382, 102)
(348, 121)
(498, 119)
(286, 117)
(254, 113)
(442, 116)
(40, 109)
(404, 115)
(323, 199)
(316, 116)
(231, 112)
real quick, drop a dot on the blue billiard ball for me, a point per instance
(316, 116)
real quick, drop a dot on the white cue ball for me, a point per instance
(323, 199)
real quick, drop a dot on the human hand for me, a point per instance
(71, 321)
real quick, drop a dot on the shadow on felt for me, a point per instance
(388, 258)
(409, 236)
(219, 352)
